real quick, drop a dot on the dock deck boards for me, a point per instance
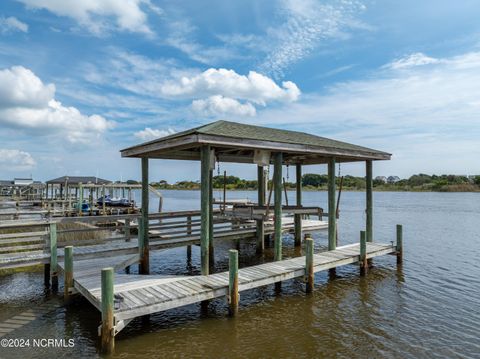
(147, 294)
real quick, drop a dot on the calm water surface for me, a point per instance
(428, 309)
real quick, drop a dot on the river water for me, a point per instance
(430, 308)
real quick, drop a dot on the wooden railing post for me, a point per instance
(309, 275)
(53, 256)
(399, 244)
(233, 297)
(107, 328)
(127, 230)
(68, 271)
(363, 253)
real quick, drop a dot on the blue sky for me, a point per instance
(80, 80)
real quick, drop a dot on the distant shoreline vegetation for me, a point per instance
(315, 182)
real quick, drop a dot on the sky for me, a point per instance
(80, 80)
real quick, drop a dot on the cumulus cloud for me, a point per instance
(219, 105)
(95, 15)
(416, 59)
(12, 24)
(16, 160)
(255, 87)
(28, 104)
(149, 134)
(422, 114)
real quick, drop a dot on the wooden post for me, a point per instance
(205, 209)
(80, 199)
(107, 330)
(399, 244)
(332, 220)
(309, 275)
(369, 201)
(103, 200)
(277, 198)
(233, 297)
(189, 233)
(127, 230)
(53, 256)
(298, 216)
(143, 243)
(68, 271)
(261, 202)
(363, 253)
(211, 255)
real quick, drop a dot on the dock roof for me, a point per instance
(75, 180)
(235, 142)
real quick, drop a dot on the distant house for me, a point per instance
(381, 179)
(393, 179)
(22, 182)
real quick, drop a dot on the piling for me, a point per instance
(298, 217)
(53, 256)
(107, 328)
(233, 296)
(399, 244)
(68, 271)
(363, 253)
(309, 275)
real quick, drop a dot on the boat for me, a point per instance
(115, 202)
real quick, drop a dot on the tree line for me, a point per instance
(312, 181)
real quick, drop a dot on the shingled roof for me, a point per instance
(235, 142)
(75, 180)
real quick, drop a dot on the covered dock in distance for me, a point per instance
(62, 187)
(225, 141)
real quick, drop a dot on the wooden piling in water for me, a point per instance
(332, 219)
(309, 275)
(399, 244)
(298, 217)
(80, 199)
(261, 202)
(205, 209)
(68, 272)
(53, 256)
(211, 251)
(277, 198)
(107, 327)
(143, 244)
(363, 254)
(233, 296)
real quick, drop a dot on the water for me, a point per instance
(428, 309)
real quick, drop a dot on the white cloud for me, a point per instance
(255, 87)
(426, 115)
(416, 59)
(26, 103)
(12, 24)
(95, 15)
(149, 134)
(219, 105)
(16, 160)
(305, 25)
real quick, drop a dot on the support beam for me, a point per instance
(107, 328)
(298, 217)
(399, 244)
(369, 201)
(233, 296)
(309, 275)
(80, 199)
(211, 252)
(205, 208)
(68, 272)
(53, 256)
(332, 220)
(363, 254)
(261, 202)
(277, 198)
(143, 238)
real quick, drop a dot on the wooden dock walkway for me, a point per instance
(138, 295)
(159, 240)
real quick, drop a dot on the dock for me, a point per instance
(138, 295)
